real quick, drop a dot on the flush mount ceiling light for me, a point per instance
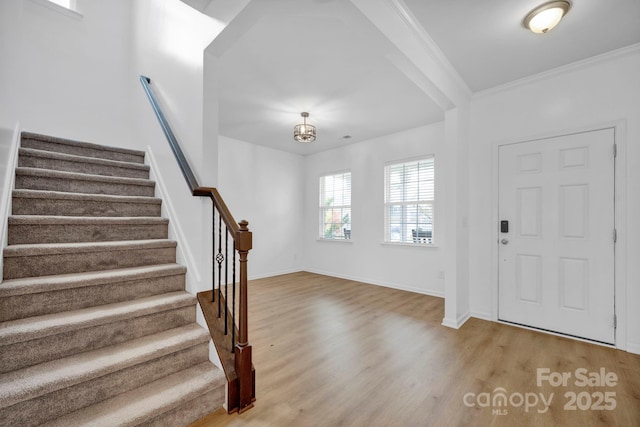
(304, 132)
(544, 17)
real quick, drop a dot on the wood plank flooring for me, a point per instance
(333, 352)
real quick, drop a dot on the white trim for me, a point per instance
(369, 281)
(324, 239)
(594, 60)
(9, 182)
(278, 273)
(410, 245)
(620, 286)
(557, 334)
(184, 249)
(633, 348)
(620, 206)
(430, 46)
(482, 315)
(457, 323)
(72, 13)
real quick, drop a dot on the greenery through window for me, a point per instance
(335, 206)
(409, 201)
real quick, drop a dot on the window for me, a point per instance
(335, 206)
(63, 7)
(67, 4)
(409, 201)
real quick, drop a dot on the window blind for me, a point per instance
(335, 206)
(409, 201)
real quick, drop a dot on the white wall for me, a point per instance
(66, 75)
(168, 45)
(269, 194)
(600, 91)
(365, 257)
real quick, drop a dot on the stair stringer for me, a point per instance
(8, 182)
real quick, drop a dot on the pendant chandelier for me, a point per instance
(304, 132)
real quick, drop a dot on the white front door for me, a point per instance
(556, 261)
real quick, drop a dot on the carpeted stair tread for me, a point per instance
(63, 145)
(37, 296)
(33, 285)
(34, 381)
(45, 179)
(84, 197)
(21, 330)
(150, 401)
(84, 247)
(30, 157)
(83, 176)
(47, 259)
(54, 220)
(31, 229)
(41, 202)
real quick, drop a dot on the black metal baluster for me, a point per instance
(233, 301)
(226, 280)
(219, 258)
(213, 254)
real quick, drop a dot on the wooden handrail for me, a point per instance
(215, 196)
(241, 393)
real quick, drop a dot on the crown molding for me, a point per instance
(594, 60)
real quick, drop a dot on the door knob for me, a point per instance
(504, 241)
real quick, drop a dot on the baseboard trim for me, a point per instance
(279, 273)
(633, 348)
(481, 315)
(457, 323)
(369, 281)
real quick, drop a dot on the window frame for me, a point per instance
(322, 208)
(407, 239)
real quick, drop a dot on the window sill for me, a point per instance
(57, 8)
(335, 240)
(411, 245)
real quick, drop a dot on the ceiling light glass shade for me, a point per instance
(304, 132)
(545, 17)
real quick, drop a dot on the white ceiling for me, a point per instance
(281, 57)
(486, 43)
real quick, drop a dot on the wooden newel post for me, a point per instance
(243, 361)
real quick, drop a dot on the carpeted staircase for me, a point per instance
(95, 326)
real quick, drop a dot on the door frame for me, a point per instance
(620, 217)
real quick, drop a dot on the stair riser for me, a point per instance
(67, 343)
(22, 306)
(80, 167)
(71, 233)
(65, 207)
(81, 151)
(46, 265)
(191, 411)
(29, 182)
(61, 402)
